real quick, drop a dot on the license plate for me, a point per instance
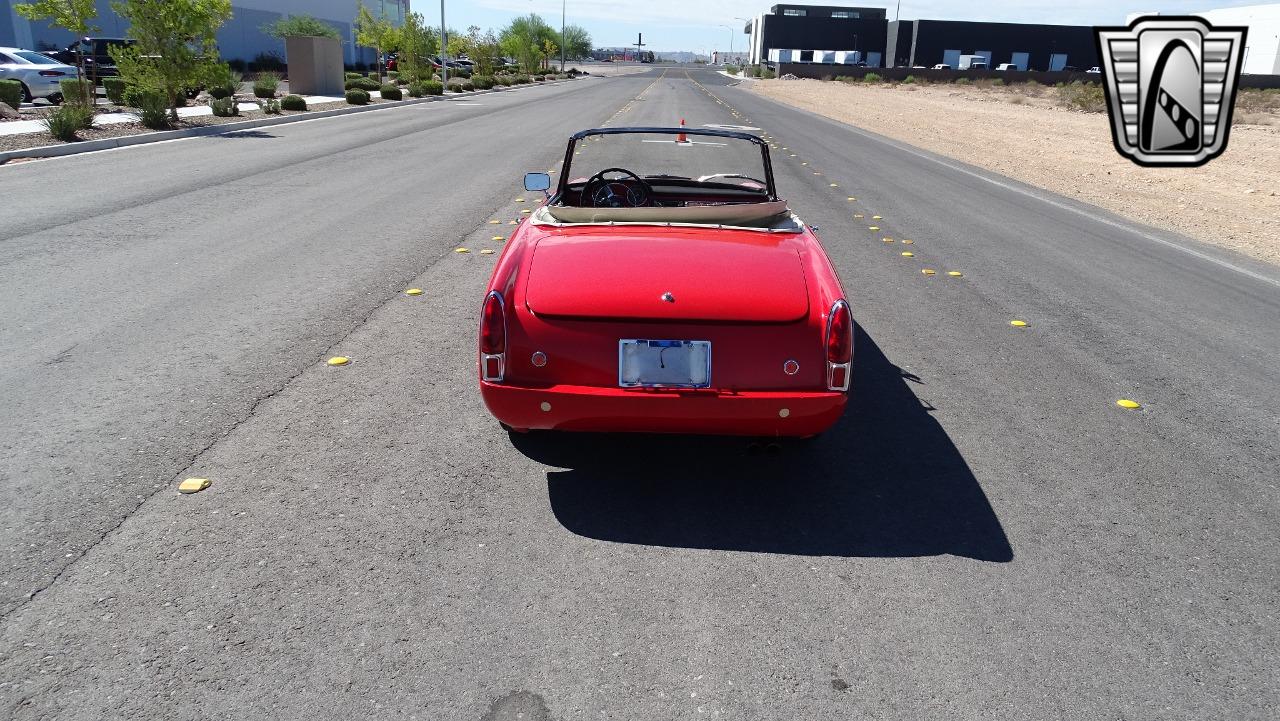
(664, 363)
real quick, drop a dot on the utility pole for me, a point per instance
(639, 44)
(444, 49)
(562, 4)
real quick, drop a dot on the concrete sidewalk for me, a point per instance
(23, 127)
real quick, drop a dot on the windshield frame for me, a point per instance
(565, 173)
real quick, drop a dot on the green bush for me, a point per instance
(393, 74)
(1084, 96)
(483, 82)
(270, 106)
(11, 93)
(115, 90)
(964, 81)
(266, 84)
(352, 76)
(225, 107)
(505, 81)
(416, 90)
(433, 87)
(562, 76)
(767, 74)
(76, 91)
(522, 80)
(301, 26)
(365, 84)
(998, 82)
(356, 96)
(872, 78)
(391, 92)
(153, 109)
(65, 122)
(293, 102)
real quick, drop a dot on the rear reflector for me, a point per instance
(493, 338)
(51, 73)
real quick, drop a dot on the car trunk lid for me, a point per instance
(674, 276)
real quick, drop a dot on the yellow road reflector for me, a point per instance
(1126, 403)
(338, 360)
(519, 200)
(461, 250)
(1018, 323)
(877, 217)
(413, 291)
(859, 216)
(887, 240)
(784, 148)
(908, 242)
(834, 185)
(954, 273)
(499, 237)
(929, 271)
(874, 228)
(494, 222)
(526, 211)
(851, 198)
(908, 254)
(803, 163)
(486, 251)
(193, 485)
(793, 155)
(512, 222)
(816, 173)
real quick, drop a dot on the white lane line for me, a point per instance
(1055, 203)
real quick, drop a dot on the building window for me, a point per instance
(844, 14)
(795, 12)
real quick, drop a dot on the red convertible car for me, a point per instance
(665, 288)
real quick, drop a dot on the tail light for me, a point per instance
(839, 342)
(51, 73)
(493, 338)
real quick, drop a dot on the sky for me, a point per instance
(696, 25)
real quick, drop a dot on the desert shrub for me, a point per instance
(65, 122)
(225, 107)
(483, 82)
(224, 82)
(115, 90)
(391, 92)
(767, 74)
(356, 96)
(1018, 100)
(964, 81)
(270, 106)
(77, 91)
(872, 78)
(998, 82)
(433, 87)
(505, 81)
(267, 62)
(293, 102)
(521, 79)
(393, 74)
(731, 69)
(1084, 96)
(153, 108)
(11, 93)
(827, 78)
(266, 84)
(365, 84)
(455, 85)
(403, 80)
(351, 76)
(909, 80)
(540, 78)
(416, 90)
(562, 76)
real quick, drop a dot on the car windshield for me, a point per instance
(705, 158)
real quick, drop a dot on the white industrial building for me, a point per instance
(241, 38)
(1262, 42)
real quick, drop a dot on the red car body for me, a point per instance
(563, 298)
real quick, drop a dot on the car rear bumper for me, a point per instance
(617, 410)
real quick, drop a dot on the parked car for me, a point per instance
(41, 76)
(1007, 66)
(1095, 70)
(664, 287)
(97, 61)
(941, 66)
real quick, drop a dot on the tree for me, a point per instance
(301, 26)
(485, 52)
(174, 45)
(377, 33)
(417, 44)
(74, 15)
(576, 42)
(524, 39)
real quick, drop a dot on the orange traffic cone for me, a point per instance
(682, 138)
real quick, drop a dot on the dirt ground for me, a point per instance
(1029, 133)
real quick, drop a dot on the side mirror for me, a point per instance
(537, 182)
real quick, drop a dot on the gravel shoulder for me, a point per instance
(1233, 202)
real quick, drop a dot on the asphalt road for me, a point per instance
(985, 535)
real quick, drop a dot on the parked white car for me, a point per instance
(40, 75)
(1006, 66)
(941, 66)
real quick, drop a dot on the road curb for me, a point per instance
(89, 146)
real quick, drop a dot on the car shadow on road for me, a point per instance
(886, 481)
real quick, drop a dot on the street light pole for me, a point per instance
(753, 22)
(444, 49)
(562, 4)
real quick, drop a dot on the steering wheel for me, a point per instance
(605, 193)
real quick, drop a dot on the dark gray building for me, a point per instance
(886, 43)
